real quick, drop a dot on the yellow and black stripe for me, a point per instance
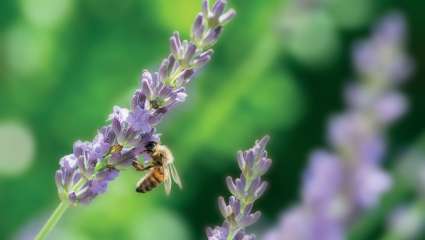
(152, 180)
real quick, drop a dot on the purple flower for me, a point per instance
(118, 120)
(382, 56)
(94, 187)
(370, 183)
(245, 190)
(218, 233)
(300, 223)
(340, 186)
(323, 178)
(390, 107)
(157, 94)
(123, 158)
(67, 175)
(87, 160)
(139, 120)
(87, 172)
(216, 16)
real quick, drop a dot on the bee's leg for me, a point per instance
(140, 167)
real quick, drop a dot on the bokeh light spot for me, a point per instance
(46, 13)
(161, 224)
(313, 40)
(27, 51)
(16, 147)
(351, 14)
(31, 228)
(277, 104)
(177, 15)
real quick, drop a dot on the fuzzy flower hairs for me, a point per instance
(85, 173)
(245, 190)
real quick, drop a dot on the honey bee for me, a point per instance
(161, 169)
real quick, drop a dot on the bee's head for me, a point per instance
(150, 146)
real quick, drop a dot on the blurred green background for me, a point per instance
(65, 63)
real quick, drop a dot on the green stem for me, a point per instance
(53, 220)
(58, 213)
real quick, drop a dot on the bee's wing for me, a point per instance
(167, 179)
(175, 175)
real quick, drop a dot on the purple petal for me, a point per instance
(390, 107)
(223, 207)
(175, 45)
(218, 8)
(260, 190)
(205, 8)
(198, 27)
(163, 69)
(227, 17)
(231, 185)
(263, 166)
(190, 52)
(212, 35)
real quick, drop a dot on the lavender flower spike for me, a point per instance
(245, 190)
(86, 172)
(340, 184)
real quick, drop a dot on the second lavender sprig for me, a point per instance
(343, 182)
(245, 190)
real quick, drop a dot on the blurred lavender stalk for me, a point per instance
(245, 190)
(408, 180)
(341, 183)
(86, 172)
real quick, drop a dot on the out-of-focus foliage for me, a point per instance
(311, 28)
(13, 134)
(64, 64)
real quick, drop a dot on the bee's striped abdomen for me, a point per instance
(151, 181)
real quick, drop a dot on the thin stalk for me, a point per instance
(57, 214)
(53, 220)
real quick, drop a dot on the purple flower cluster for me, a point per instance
(245, 190)
(86, 172)
(340, 184)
